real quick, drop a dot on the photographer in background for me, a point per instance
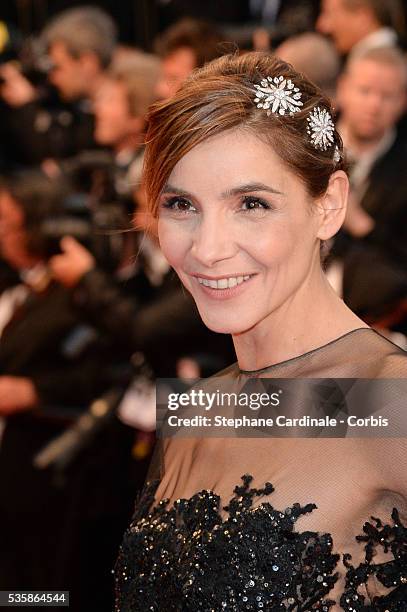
(77, 47)
(359, 25)
(372, 245)
(187, 44)
(105, 181)
(120, 109)
(52, 365)
(36, 371)
(37, 315)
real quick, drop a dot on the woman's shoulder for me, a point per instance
(367, 353)
(390, 358)
(363, 353)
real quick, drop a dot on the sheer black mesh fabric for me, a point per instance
(322, 529)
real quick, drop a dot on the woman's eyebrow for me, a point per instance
(172, 189)
(239, 189)
(248, 188)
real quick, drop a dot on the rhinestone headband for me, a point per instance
(279, 95)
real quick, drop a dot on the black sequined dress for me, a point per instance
(197, 548)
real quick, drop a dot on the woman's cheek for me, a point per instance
(271, 245)
(173, 242)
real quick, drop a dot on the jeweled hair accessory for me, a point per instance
(278, 95)
(321, 129)
(337, 155)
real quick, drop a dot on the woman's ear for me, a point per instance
(333, 205)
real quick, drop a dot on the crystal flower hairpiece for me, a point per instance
(278, 93)
(321, 128)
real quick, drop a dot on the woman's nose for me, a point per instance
(213, 240)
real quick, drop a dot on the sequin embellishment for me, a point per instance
(188, 558)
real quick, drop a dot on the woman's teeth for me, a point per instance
(224, 283)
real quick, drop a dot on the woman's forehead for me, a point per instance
(235, 157)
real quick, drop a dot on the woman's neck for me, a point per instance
(313, 317)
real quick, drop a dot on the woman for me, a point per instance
(245, 172)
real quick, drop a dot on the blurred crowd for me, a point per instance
(90, 313)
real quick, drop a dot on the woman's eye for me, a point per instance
(178, 204)
(253, 203)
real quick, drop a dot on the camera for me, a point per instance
(100, 228)
(29, 56)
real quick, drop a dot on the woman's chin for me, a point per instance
(222, 326)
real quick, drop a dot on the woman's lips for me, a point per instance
(226, 293)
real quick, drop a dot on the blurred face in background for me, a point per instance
(114, 122)
(346, 25)
(371, 96)
(13, 237)
(175, 68)
(70, 75)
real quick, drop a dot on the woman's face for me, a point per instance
(232, 216)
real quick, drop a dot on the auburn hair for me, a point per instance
(219, 97)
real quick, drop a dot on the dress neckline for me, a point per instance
(318, 348)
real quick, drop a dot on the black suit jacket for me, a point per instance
(375, 267)
(38, 343)
(38, 131)
(62, 534)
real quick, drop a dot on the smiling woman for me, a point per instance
(264, 209)
(245, 173)
(243, 216)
